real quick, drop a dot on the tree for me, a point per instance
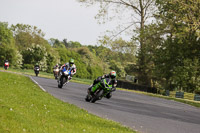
(25, 35)
(7, 48)
(6, 35)
(72, 44)
(177, 58)
(186, 15)
(35, 54)
(136, 12)
(55, 43)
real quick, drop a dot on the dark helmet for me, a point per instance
(112, 74)
(71, 61)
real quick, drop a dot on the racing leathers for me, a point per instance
(113, 82)
(69, 66)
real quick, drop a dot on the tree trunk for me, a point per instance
(143, 76)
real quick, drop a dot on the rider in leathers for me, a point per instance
(71, 66)
(111, 75)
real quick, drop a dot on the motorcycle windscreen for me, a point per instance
(108, 81)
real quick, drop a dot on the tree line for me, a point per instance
(167, 33)
(24, 46)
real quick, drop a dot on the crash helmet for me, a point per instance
(36, 64)
(71, 61)
(56, 65)
(112, 74)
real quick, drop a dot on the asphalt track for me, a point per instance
(142, 113)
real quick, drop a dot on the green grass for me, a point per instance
(24, 107)
(189, 101)
(46, 75)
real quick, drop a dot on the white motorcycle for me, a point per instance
(64, 77)
(56, 72)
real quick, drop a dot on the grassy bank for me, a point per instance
(24, 107)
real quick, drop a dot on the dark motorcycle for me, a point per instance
(100, 90)
(37, 70)
(64, 77)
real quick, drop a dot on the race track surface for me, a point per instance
(143, 113)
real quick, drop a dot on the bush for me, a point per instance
(28, 66)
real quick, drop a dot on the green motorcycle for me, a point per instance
(100, 90)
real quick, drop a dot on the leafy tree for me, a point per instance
(186, 16)
(6, 35)
(94, 71)
(72, 44)
(7, 48)
(7, 53)
(35, 54)
(136, 12)
(25, 35)
(55, 43)
(18, 60)
(176, 59)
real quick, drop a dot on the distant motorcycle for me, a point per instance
(64, 77)
(37, 70)
(6, 65)
(100, 90)
(56, 72)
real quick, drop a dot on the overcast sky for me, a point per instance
(56, 18)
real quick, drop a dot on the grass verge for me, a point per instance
(24, 107)
(46, 75)
(186, 101)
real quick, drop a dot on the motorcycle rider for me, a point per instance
(112, 76)
(6, 64)
(36, 65)
(56, 66)
(56, 71)
(71, 66)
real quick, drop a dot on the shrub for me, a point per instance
(28, 66)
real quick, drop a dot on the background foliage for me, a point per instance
(163, 53)
(24, 46)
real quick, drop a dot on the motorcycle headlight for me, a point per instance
(66, 72)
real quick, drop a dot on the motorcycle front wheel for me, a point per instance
(97, 96)
(60, 83)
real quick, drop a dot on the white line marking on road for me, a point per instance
(37, 83)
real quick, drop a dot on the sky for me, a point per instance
(56, 18)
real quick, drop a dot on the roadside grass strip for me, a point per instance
(46, 75)
(24, 107)
(171, 97)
